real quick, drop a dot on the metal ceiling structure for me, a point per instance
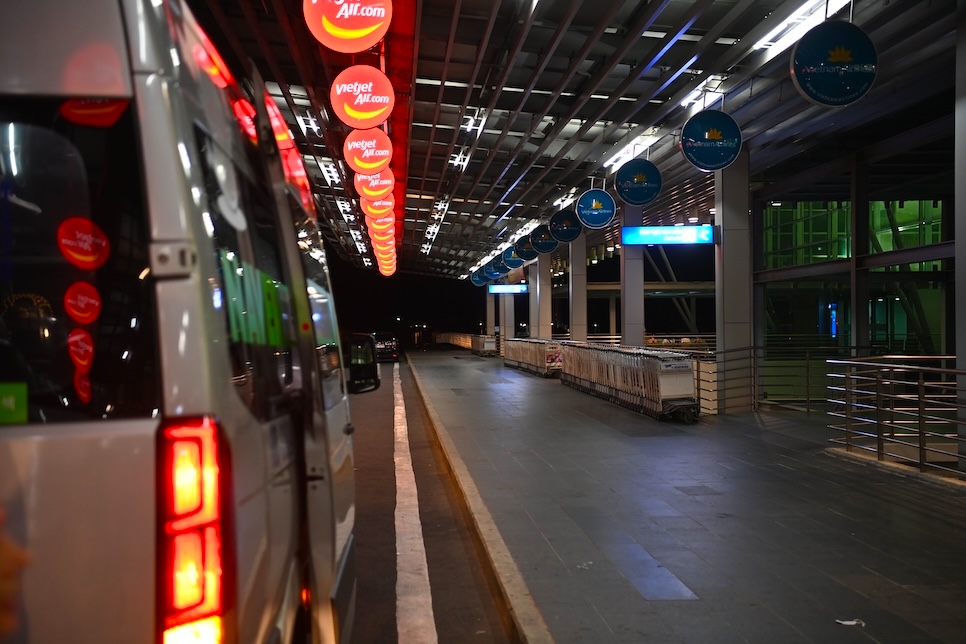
(504, 108)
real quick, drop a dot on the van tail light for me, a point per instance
(195, 535)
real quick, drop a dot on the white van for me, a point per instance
(175, 445)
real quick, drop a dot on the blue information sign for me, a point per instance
(565, 227)
(507, 288)
(638, 182)
(542, 240)
(499, 265)
(596, 208)
(834, 64)
(478, 278)
(525, 249)
(644, 235)
(511, 259)
(711, 140)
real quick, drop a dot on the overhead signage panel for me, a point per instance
(511, 259)
(374, 186)
(565, 227)
(367, 151)
(711, 140)
(677, 235)
(596, 208)
(525, 250)
(834, 64)
(542, 240)
(478, 278)
(362, 96)
(346, 26)
(638, 182)
(505, 289)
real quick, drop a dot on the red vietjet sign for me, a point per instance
(379, 208)
(82, 302)
(374, 186)
(346, 26)
(367, 151)
(362, 97)
(83, 243)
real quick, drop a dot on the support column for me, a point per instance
(542, 326)
(859, 294)
(733, 277)
(578, 288)
(508, 319)
(959, 230)
(533, 277)
(632, 285)
(612, 314)
(490, 314)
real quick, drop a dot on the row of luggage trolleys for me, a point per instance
(650, 381)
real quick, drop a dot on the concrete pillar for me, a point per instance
(578, 288)
(490, 314)
(508, 318)
(533, 278)
(859, 294)
(612, 314)
(542, 326)
(733, 277)
(632, 285)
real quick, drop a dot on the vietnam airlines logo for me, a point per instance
(714, 134)
(596, 205)
(640, 177)
(839, 55)
(362, 97)
(348, 27)
(83, 243)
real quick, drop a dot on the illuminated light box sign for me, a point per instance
(374, 186)
(679, 235)
(367, 151)
(504, 289)
(362, 97)
(348, 27)
(710, 140)
(834, 64)
(378, 208)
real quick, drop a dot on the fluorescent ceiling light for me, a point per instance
(791, 30)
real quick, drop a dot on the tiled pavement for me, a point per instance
(734, 529)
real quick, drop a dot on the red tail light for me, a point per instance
(191, 579)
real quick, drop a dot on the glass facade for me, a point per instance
(896, 225)
(805, 232)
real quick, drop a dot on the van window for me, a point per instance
(255, 299)
(77, 317)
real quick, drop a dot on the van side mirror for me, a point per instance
(363, 368)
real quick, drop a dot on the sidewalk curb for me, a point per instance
(527, 619)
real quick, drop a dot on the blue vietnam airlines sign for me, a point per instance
(711, 140)
(680, 235)
(638, 182)
(595, 208)
(834, 64)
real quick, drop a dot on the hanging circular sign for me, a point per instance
(834, 64)
(596, 208)
(379, 208)
(374, 186)
(478, 278)
(348, 27)
(542, 240)
(80, 346)
(498, 264)
(362, 96)
(638, 182)
(490, 271)
(565, 227)
(82, 302)
(525, 249)
(710, 140)
(367, 151)
(381, 225)
(511, 259)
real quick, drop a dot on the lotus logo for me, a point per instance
(839, 55)
(596, 205)
(640, 177)
(714, 135)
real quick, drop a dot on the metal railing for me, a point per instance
(905, 409)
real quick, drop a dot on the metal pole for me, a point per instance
(922, 422)
(879, 443)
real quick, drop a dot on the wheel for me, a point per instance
(687, 415)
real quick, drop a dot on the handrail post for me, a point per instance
(879, 443)
(808, 382)
(848, 407)
(922, 422)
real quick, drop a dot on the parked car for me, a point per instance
(387, 347)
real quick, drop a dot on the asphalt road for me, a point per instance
(464, 602)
